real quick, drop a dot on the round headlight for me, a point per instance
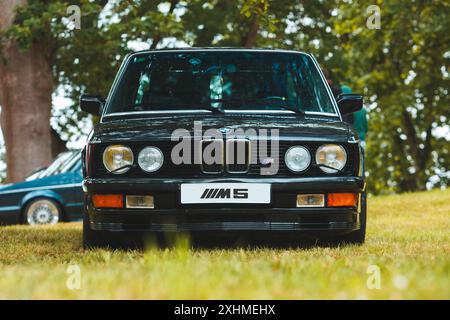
(116, 157)
(150, 159)
(297, 159)
(331, 155)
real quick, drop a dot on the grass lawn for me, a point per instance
(408, 240)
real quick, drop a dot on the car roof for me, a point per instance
(219, 49)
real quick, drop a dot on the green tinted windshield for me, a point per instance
(222, 80)
(63, 163)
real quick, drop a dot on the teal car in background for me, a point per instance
(48, 196)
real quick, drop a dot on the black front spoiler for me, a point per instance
(172, 216)
(226, 226)
(335, 220)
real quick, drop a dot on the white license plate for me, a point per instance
(225, 193)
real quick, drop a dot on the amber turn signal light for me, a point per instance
(342, 199)
(107, 200)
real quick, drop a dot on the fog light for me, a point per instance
(107, 200)
(342, 199)
(140, 202)
(310, 200)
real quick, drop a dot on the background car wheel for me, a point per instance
(42, 211)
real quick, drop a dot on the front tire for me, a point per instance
(103, 239)
(42, 211)
(91, 238)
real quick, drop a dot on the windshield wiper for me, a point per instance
(136, 107)
(300, 112)
(219, 109)
(285, 106)
(211, 108)
(160, 106)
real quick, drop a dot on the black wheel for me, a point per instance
(106, 239)
(93, 238)
(42, 211)
(357, 236)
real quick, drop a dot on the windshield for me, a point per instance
(63, 163)
(220, 81)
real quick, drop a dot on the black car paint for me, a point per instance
(291, 127)
(170, 215)
(296, 129)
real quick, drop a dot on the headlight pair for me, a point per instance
(119, 159)
(298, 158)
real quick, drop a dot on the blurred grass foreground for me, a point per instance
(407, 246)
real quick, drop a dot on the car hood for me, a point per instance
(161, 128)
(5, 186)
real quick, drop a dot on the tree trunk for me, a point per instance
(158, 37)
(250, 38)
(26, 87)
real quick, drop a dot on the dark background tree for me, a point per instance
(34, 45)
(26, 87)
(402, 68)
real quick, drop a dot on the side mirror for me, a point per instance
(91, 104)
(349, 103)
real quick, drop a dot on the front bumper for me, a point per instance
(169, 215)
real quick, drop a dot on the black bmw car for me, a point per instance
(222, 141)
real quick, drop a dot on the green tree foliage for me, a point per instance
(401, 68)
(85, 58)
